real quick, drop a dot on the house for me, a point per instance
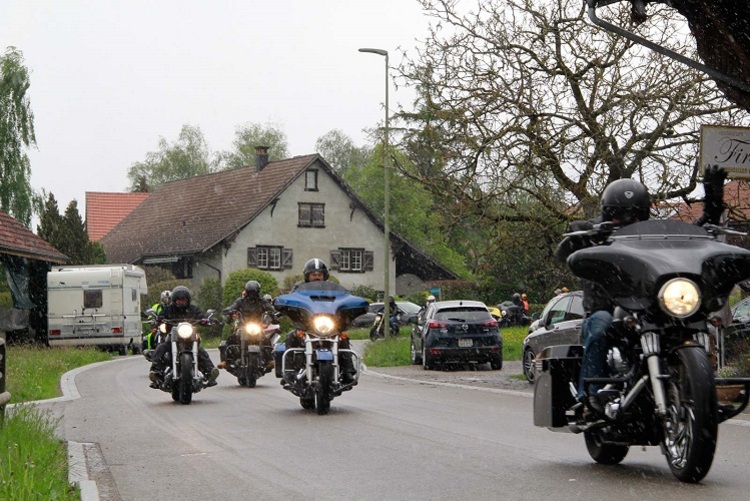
(273, 216)
(104, 210)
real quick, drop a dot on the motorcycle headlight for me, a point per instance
(680, 297)
(324, 325)
(252, 329)
(185, 330)
(163, 328)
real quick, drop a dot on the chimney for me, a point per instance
(261, 157)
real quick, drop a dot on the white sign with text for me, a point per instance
(727, 147)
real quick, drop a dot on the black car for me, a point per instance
(456, 331)
(737, 333)
(559, 323)
(408, 308)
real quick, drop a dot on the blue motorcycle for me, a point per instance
(321, 313)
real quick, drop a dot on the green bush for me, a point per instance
(209, 294)
(236, 282)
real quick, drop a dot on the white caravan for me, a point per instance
(95, 305)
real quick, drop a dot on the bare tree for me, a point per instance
(526, 100)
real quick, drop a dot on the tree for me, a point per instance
(16, 134)
(341, 152)
(187, 157)
(67, 233)
(246, 138)
(526, 110)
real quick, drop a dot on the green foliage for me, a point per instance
(341, 152)
(189, 156)
(246, 138)
(16, 135)
(236, 282)
(67, 233)
(364, 291)
(34, 462)
(209, 294)
(388, 353)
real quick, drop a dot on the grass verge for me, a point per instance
(34, 462)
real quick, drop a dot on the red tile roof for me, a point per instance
(17, 240)
(736, 196)
(105, 210)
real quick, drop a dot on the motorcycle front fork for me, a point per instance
(651, 349)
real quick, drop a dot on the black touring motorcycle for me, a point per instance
(252, 358)
(667, 279)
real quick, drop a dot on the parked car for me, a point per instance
(456, 331)
(559, 323)
(410, 310)
(737, 333)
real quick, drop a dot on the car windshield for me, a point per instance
(408, 307)
(463, 314)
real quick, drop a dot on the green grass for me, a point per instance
(33, 462)
(395, 352)
(33, 373)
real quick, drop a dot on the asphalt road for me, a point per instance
(452, 436)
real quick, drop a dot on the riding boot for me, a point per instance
(347, 368)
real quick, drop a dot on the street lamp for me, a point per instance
(387, 204)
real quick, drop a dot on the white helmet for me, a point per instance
(164, 298)
(430, 298)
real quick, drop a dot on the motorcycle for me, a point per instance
(666, 278)
(251, 359)
(512, 314)
(377, 331)
(183, 378)
(321, 311)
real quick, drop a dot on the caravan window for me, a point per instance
(92, 298)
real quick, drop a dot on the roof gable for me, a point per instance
(17, 240)
(105, 210)
(193, 215)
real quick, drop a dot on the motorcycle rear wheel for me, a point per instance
(604, 453)
(186, 379)
(323, 393)
(691, 426)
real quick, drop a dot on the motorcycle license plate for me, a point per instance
(253, 349)
(465, 343)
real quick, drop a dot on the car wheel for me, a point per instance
(427, 362)
(416, 356)
(496, 364)
(528, 364)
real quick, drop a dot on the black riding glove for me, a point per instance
(713, 202)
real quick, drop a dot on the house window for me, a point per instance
(269, 257)
(312, 215)
(348, 260)
(311, 180)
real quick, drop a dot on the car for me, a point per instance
(559, 323)
(410, 310)
(737, 332)
(458, 331)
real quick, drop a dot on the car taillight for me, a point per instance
(54, 333)
(434, 324)
(490, 323)
(116, 330)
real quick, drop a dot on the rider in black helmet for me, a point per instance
(251, 308)
(624, 202)
(180, 309)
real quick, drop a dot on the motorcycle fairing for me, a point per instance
(642, 256)
(314, 298)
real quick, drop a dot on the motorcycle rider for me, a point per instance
(180, 309)
(315, 270)
(623, 202)
(158, 308)
(251, 308)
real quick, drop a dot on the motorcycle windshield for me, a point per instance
(642, 256)
(314, 298)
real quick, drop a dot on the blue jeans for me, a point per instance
(595, 347)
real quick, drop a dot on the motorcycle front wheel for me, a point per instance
(691, 426)
(251, 372)
(186, 378)
(323, 393)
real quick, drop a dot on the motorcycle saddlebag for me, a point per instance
(555, 368)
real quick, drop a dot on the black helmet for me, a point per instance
(516, 296)
(626, 200)
(315, 265)
(180, 292)
(252, 289)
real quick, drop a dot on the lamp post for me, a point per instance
(386, 203)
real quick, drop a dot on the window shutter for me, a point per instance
(335, 259)
(286, 258)
(252, 259)
(369, 260)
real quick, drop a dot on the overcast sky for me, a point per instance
(109, 78)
